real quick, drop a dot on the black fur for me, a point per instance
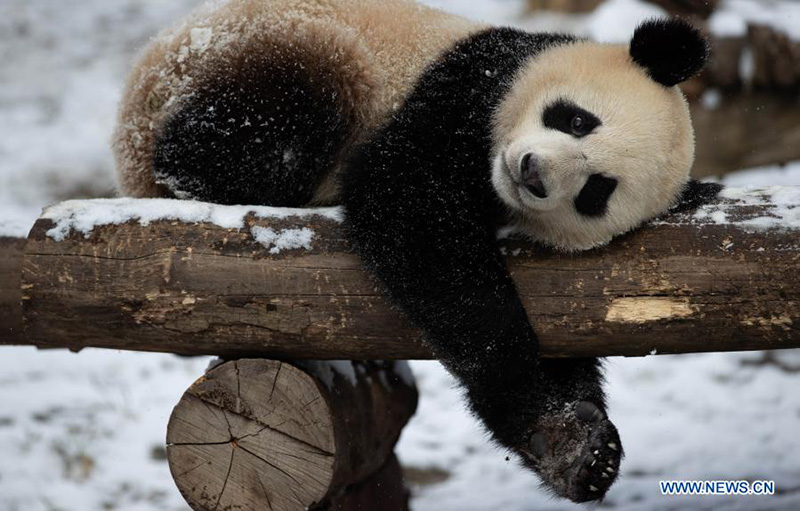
(671, 50)
(263, 134)
(423, 215)
(695, 194)
(593, 197)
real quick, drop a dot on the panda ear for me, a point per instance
(671, 50)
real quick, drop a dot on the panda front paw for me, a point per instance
(576, 452)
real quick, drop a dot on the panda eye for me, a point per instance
(578, 125)
(569, 118)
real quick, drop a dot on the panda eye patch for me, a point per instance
(569, 118)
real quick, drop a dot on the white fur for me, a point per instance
(645, 141)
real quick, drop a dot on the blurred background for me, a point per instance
(84, 432)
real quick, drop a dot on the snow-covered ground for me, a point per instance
(85, 432)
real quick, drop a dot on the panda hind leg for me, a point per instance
(268, 122)
(259, 136)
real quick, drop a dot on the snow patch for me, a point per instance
(14, 228)
(783, 207)
(732, 17)
(200, 39)
(84, 216)
(726, 23)
(719, 217)
(711, 99)
(779, 205)
(614, 21)
(747, 65)
(284, 239)
(778, 175)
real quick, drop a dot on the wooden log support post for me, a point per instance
(723, 278)
(257, 434)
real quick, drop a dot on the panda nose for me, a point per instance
(531, 177)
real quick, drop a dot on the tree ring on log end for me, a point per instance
(255, 434)
(234, 446)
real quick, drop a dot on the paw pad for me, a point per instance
(575, 452)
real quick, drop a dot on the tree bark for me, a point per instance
(260, 434)
(11, 250)
(716, 280)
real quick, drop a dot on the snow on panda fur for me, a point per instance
(346, 63)
(433, 131)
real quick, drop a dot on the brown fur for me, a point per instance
(376, 50)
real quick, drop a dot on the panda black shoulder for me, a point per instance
(479, 68)
(422, 179)
(446, 120)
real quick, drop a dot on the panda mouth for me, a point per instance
(535, 186)
(532, 182)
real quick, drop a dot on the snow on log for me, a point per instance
(191, 278)
(263, 434)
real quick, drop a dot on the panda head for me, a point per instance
(593, 139)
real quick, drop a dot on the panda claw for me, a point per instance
(612, 446)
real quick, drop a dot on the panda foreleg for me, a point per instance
(551, 412)
(427, 240)
(569, 440)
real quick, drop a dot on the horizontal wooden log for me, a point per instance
(257, 434)
(724, 278)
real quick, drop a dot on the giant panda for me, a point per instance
(432, 132)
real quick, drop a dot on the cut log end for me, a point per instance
(261, 434)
